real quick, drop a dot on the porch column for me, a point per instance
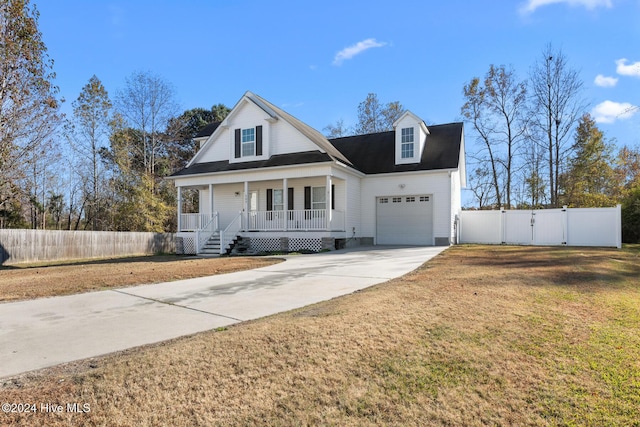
(328, 201)
(179, 208)
(285, 201)
(246, 206)
(210, 202)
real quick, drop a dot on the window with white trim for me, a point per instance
(410, 199)
(248, 142)
(406, 148)
(424, 198)
(384, 200)
(397, 200)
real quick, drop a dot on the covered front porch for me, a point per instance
(290, 207)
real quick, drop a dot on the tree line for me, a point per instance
(104, 166)
(535, 141)
(537, 147)
(101, 168)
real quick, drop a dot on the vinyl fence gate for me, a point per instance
(546, 227)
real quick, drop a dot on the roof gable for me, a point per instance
(272, 114)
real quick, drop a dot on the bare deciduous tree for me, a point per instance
(556, 107)
(28, 104)
(147, 104)
(497, 110)
(88, 136)
(373, 117)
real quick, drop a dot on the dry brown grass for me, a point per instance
(28, 282)
(478, 336)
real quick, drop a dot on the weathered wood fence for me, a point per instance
(20, 246)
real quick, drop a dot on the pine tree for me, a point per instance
(590, 180)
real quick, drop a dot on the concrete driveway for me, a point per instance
(45, 332)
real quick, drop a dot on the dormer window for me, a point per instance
(248, 142)
(407, 143)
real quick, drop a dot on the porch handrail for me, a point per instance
(203, 234)
(227, 235)
(295, 220)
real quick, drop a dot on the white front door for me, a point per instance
(404, 220)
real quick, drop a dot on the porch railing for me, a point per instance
(228, 234)
(208, 230)
(296, 220)
(194, 221)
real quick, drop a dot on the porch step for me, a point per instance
(212, 247)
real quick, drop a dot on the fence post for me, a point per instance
(619, 226)
(503, 226)
(565, 225)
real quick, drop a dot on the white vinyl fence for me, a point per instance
(549, 227)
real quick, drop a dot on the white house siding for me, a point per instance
(222, 147)
(435, 184)
(225, 201)
(217, 150)
(278, 137)
(353, 201)
(286, 139)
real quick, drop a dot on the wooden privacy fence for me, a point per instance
(549, 227)
(19, 246)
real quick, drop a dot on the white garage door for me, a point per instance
(404, 220)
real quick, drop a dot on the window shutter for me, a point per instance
(238, 144)
(333, 196)
(290, 199)
(258, 140)
(269, 199)
(307, 197)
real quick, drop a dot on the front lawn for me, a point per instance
(20, 282)
(480, 335)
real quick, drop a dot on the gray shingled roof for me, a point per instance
(276, 160)
(371, 154)
(375, 153)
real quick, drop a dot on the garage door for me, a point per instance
(404, 220)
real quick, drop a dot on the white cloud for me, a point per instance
(603, 81)
(627, 70)
(610, 111)
(351, 51)
(531, 5)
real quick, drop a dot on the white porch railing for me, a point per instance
(297, 220)
(208, 230)
(194, 221)
(228, 234)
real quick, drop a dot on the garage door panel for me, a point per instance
(404, 220)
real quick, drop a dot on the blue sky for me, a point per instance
(318, 60)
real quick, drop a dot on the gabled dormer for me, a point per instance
(249, 125)
(256, 130)
(410, 139)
